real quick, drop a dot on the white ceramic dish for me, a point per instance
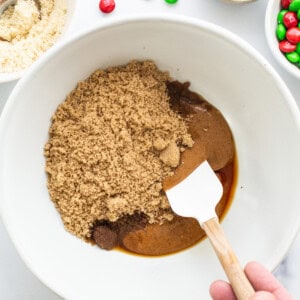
(272, 11)
(71, 6)
(265, 214)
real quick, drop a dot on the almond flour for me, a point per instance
(111, 143)
(26, 33)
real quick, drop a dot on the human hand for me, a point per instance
(267, 287)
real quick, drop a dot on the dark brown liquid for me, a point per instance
(179, 234)
(213, 142)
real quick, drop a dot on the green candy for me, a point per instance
(293, 57)
(298, 48)
(281, 15)
(298, 15)
(280, 32)
(295, 5)
(171, 1)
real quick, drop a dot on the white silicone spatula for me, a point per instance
(197, 196)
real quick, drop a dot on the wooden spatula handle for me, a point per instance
(228, 259)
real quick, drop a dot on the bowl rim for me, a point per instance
(71, 9)
(217, 30)
(8, 77)
(270, 32)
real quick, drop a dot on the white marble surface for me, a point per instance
(247, 21)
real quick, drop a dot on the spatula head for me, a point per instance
(197, 195)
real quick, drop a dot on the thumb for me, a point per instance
(262, 296)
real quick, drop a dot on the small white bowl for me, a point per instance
(272, 11)
(71, 6)
(265, 214)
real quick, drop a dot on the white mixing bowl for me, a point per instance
(264, 216)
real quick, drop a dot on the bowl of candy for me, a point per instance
(282, 29)
(93, 128)
(27, 30)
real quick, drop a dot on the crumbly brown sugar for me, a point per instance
(112, 142)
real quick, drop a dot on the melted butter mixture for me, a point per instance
(213, 142)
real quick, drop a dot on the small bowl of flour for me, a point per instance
(28, 31)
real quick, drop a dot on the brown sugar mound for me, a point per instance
(111, 144)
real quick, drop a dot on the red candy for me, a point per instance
(290, 19)
(287, 47)
(107, 6)
(293, 35)
(285, 3)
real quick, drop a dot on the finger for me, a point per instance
(262, 296)
(262, 280)
(220, 290)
